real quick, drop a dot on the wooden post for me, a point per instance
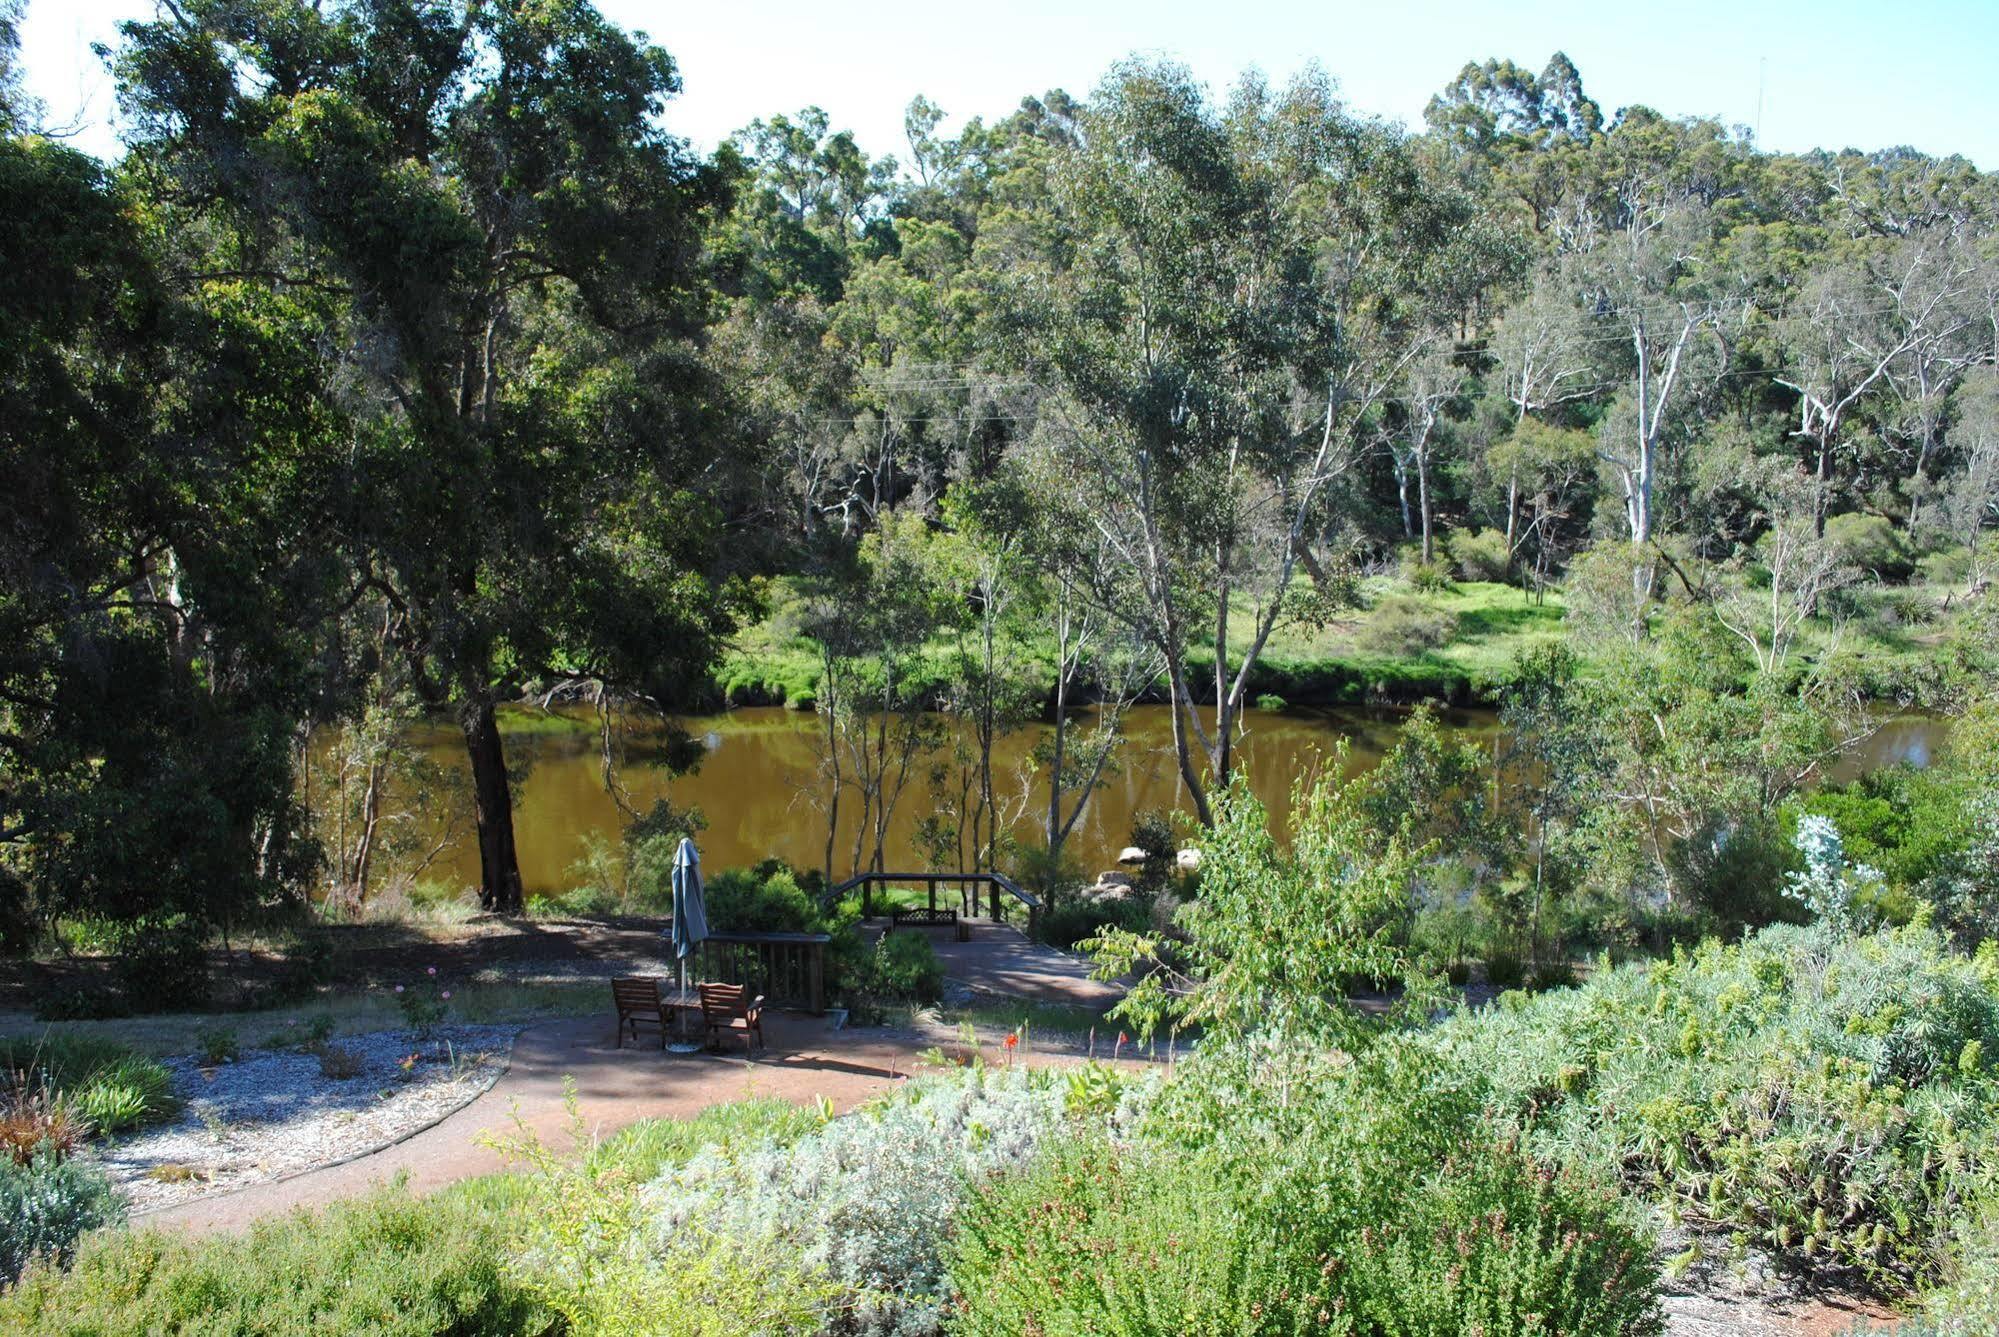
(933, 896)
(867, 898)
(994, 888)
(816, 977)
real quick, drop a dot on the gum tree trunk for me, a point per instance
(493, 806)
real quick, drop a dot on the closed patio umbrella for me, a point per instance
(690, 917)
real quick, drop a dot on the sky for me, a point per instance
(1825, 74)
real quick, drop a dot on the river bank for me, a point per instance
(1457, 646)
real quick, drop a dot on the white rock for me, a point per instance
(1189, 860)
(1132, 854)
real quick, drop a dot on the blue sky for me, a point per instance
(1834, 74)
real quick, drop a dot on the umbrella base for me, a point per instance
(683, 1047)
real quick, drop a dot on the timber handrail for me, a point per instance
(787, 968)
(994, 883)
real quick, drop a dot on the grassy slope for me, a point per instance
(771, 663)
(1490, 626)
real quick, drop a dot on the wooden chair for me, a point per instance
(729, 1007)
(638, 1004)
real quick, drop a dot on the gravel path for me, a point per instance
(274, 1113)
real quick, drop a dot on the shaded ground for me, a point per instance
(370, 955)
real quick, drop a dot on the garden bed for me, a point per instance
(274, 1113)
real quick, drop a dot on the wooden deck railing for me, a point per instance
(789, 969)
(996, 885)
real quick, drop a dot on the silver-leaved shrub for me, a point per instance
(868, 1202)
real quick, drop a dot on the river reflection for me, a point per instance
(755, 783)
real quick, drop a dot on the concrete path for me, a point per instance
(614, 1087)
(806, 1060)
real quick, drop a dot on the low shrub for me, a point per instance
(1431, 577)
(307, 966)
(125, 1095)
(161, 965)
(339, 1064)
(217, 1045)
(1552, 975)
(1282, 1192)
(424, 1003)
(81, 1000)
(1067, 925)
(901, 970)
(1271, 701)
(1967, 1305)
(33, 1121)
(864, 1205)
(1403, 628)
(384, 1264)
(1479, 554)
(47, 1203)
(102, 1080)
(644, 1149)
(1872, 543)
(1824, 1097)
(1505, 970)
(577, 903)
(1153, 830)
(764, 899)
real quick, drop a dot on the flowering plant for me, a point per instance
(424, 1004)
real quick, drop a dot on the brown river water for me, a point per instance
(755, 784)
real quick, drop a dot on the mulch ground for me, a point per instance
(364, 955)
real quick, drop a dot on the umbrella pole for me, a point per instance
(683, 1045)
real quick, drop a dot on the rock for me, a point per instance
(1188, 860)
(1115, 879)
(1132, 854)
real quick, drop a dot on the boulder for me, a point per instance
(1133, 855)
(1188, 860)
(1114, 878)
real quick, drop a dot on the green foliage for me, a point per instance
(1424, 577)
(582, 1250)
(1071, 923)
(1281, 1191)
(125, 1094)
(643, 1150)
(1824, 1098)
(424, 1002)
(101, 1079)
(216, 1044)
(1872, 543)
(1480, 554)
(1277, 932)
(902, 969)
(46, 1205)
(1967, 1305)
(1158, 834)
(387, 1263)
(1406, 628)
(1504, 970)
(763, 899)
(384, 1263)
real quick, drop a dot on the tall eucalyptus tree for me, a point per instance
(507, 239)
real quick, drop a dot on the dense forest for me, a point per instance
(406, 365)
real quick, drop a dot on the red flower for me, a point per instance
(1011, 1040)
